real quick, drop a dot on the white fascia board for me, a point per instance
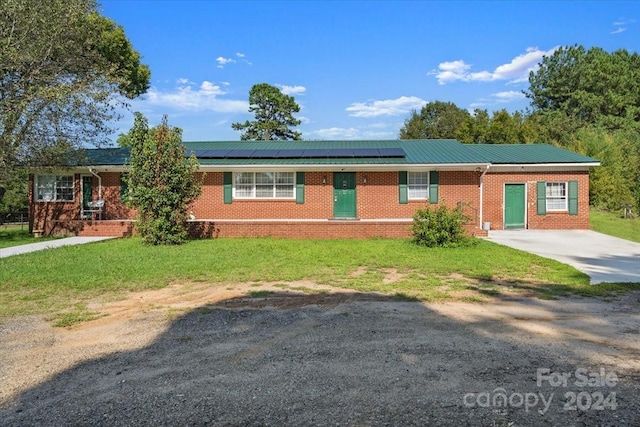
(346, 167)
(543, 167)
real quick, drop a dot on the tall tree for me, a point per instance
(436, 120)
(475, 128)
(591, 86)
(162, 181)
(273, 115)
(64, 69)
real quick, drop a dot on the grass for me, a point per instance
(56, 280)
(14, 235)
(614, 225)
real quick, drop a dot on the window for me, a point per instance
(418, 185)
(57, 188)
(556, 194)
(264, 185)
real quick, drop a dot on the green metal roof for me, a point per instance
(526, 154)
(432, 151)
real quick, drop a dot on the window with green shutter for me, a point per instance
(300, 187)
(434, 179)
(403, 194)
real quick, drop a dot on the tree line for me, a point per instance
(584, 100)
(64, 70)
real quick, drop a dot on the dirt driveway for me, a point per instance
(202, 355)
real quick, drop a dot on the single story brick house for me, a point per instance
(332, 189)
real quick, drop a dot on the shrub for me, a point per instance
(439, 226)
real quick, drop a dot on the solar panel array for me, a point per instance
(336, 153)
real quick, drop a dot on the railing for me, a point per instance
(15, 218)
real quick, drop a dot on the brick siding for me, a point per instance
(378, 209)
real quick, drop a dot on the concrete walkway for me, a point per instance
(32, 247)
(604, 258)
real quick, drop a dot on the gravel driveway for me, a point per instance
(202, 356)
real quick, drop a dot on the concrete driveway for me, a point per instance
(604, 258)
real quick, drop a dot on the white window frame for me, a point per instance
(51, 188)
(418, 185)
(558, 198)
(252, 189)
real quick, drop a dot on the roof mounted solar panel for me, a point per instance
(200, 154)
(391, 152)
(340, 152)
(265, 154)
(366, 152)
(240, 154)
(217, 154)
(290, 154)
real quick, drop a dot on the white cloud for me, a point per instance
(222, 61)
(205, 97)
(292, 90)
(334, 133)
(508, 96)
(515, 71)
(183, 81)
(351, 133)
(387, 107)
(303, 119)
(620, 26)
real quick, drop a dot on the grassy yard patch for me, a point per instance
(614, 225)
(56, 280)
(15, 235)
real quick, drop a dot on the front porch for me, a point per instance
(90, 227)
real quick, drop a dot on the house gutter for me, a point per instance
(481, 193)
(93, 172)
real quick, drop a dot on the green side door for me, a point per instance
(514, 205)
(344, 195)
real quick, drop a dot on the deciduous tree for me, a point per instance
(64, 69)
(162, 181)
(436, 120)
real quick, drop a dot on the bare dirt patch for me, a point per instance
(303, 354)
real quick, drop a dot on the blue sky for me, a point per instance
(356, 68)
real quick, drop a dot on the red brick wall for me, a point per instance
(377, 198)
(114, 209)
(494, 200)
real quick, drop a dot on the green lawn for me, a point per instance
(14, 235)
(614, 225)
(57, 279)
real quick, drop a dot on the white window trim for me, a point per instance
(409, 186)
(565, 208)
(37, 184)
(253, 196)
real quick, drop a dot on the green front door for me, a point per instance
(514, 206)
(344, 195)
(87, 189)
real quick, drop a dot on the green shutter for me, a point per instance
(541, 197)
(433, 186)
(299, 187)
(573, 197)
(228, 187)
(403, 193)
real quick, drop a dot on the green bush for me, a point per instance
(439, 226)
